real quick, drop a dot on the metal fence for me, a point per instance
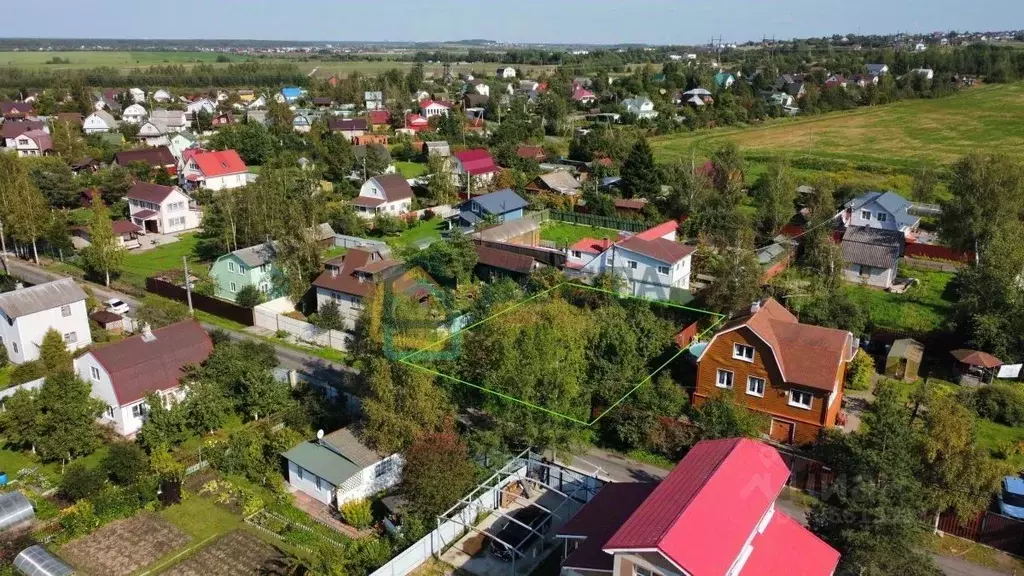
(988, 528)
(343, 241)
(612, 222)
(300, 329)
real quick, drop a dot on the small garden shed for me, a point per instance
(904, 359)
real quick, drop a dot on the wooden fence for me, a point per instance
(214, 306)
(806, 474)
(988, 528)
(612, 222)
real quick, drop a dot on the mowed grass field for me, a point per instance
(913, 132)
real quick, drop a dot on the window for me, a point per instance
(300, 470)
(110, 411)
(318, 483)
(233, 287)
(231, 267)
(800, 399)
(139, 410)
(384, 468)
(15, 345)
(641, 571)
(724, 379)
(865, 214)
(65, 311)
(662, 269)
(882, 216)
(631, 264)
(94, 372)
(755, 386)
(577, 254)
(71, 337)
(743, 352)
(241, 269)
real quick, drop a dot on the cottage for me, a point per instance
(882, 210)
(98, 122)
(134, 114)
(138, 95)
(506, 73)
(872, 255)
(641, 107)
(495, 208)
(27, 314)
(437, 148)
(33, 143)
(385, 194)
(162, 209)
(181, 141)
(414, 123)
(12, 130)
(703, 519)
(162, 96)
(337, 468)
(201, 105)
(877, 70)
(222, 120)
(771, 363)
(123, 373)
(16, 110)
(373, 100)
(492, 263)
(583, 96)
(475, 165)
(347, 279)
(652, 262)
(431, 108)
(170, 121)
(380, 120)
(350, 128)
(220, 170)
(724, 80)
(252, 266)
(159, 158)
(73, 118)
(479, 87)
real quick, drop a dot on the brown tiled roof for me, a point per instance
(345, 278)
(660, 249)
(104, 317)
(367, 201)
(631, 203)
(13, 129)
(137, 367)
(342, 124)
(147, 192)
(394, 186)
(124, 227)
(156, 157)
(510, 261)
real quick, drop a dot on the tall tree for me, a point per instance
(68, 142)
(54, 178)
(14, 184)
(401, 403)
(450, 262)
(30, 216)
(639, 173)
(737, 282)
(437, 472)
(441, 188)
(66, 424)
(54, 353)
(986, 192)
(104, 255)
(775, 195)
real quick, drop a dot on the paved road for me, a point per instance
(952, 566)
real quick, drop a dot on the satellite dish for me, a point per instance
(320, 434)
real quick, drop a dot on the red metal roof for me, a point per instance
(137, 367)
(427, 103)
(220, 163)
(592, 245)
(811, 556)
(534, 152)
(660, 231)
(416, 122)
(378, 117)
(702, 513)
(125, 227)
(582, 94)
(476, 161)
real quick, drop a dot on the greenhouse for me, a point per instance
(36, 561)
(15, 509)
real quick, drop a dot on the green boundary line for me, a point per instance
(407, 359)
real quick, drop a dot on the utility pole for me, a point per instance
(188, 286)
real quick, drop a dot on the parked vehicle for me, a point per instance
(116, 306)
(515, 534)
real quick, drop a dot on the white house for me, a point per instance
(123, 373)
(871, 255)
(11, 130)
(641, 107)
(259, 103)
(152, 134)
(170, 120)
(162, 209)
(480, 88)
(347, 279)
(338, 468)
(162, 96)
(98, 122)
(507, 72)
(920, 47)
(385, 194)
(881, 210)
(926, 73)
(28, 313)
(134, 114)
(193, 108)
(374, 100)
(431, 108)
(33, 143)
(219, 170)
(651, 262)
(179, 142)
(138, 95)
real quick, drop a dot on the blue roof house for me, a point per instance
(292, 93)
(501, 206)
(881, 210)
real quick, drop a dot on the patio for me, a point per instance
(323, 514)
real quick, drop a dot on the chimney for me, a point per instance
(147, 333)
(755, 306)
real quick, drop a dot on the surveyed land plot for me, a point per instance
(441, 357)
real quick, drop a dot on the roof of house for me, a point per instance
(606, 512)
(702, 514)
(322, 100)
(125, 227)
(500, 202)
(104, 317)
(25, 301)
(592, 245)
(137, 367)
(631, 203)
(976, 358)
(15, 129)
(872, 246)
(660, 249)
(906, 348)
(257, 255)
(219, 163)
(41, 138)
(659, 231)
(379, 117)
(394, 186)
(892, 202)
(10, 108)
(345, 443)
(476, 161)
(535, 152)
(582, 93)
(148, 192)
(347, 273)
(73, 117)
(346, 124)
(474, 100)
(783, 533)
(560, 181)
(107, 118)
(429, 103)
(336, 458)
(158, 157)
(145, 214)
(438, 148)
(807, 355)
(507, 230)
(504, 260)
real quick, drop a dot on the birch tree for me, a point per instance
(105, 254)
(30, 215)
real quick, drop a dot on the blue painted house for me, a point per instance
(501, 206)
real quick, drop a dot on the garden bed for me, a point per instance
(234, 554)
(125, 546)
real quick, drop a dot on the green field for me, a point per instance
(139, 265)
(908, 133)
(411, 169)
(567, 233)
(923, 308)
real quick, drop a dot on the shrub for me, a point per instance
(861, 369)
(79, 521)
(386, 224)
(81, 482)
(114, 502)
(357, 513)
(27, 371)
(281, 334)
(4, 359)
(125, 463)
(249, 296)
(999, 403)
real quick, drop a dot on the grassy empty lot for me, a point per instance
(567, 233)
(989, 118)
(411, 169)
(922, 308)
(140, 264)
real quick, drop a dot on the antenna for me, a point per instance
(320, 434)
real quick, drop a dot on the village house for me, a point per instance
(495, 208)
(98, 122)
(506, 73)
(162, 209)
(138, 95)
(134, 114)
(219, 170)
(373, 100)
(200, 105)
(27, 314)
(124, 372)
(386, 194)
(473, 166)
(871, 255)
(877, 70)
(337, 468)
(706, 518)
(559, 183)
(159, 158)
(882, 210)
(11, 130)
(33, 143)
(724, 80)
(414, 123)
(16, 110)
(772, 364)
(437, 148)
(349, 278)
(162, 96)
(379, 120)
(431, 108)
(583, 96)
(641, 107)
(348, 127)
(252, 266)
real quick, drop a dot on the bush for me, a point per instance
(861, 369)
(4, 359)
(114, 502)
(126, 463)
(81, 482)
(386, 224)
(27, 372)
(357, 513)
(249, 296)
(80, 521)
(999, 403)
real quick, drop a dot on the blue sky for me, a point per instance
(567, 21)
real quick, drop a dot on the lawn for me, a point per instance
(114, 59)
(923, 308)
(411, 169)
(5, 376)
(200, 518)
(567, 233)
(418, 232)
(906, 133)
(999, 438)
(138, 265)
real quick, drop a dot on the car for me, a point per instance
(515, 534)
(116, 306)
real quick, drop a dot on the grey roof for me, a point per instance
(872, 246)
(323, 231)
(38, 561)
(168, 117)
(438, 148)
(769, 253)
(27, 301)
(107, 118)
(336, 458)
(255, 256)
(875, 69)
(503, 232)
(345, 443)
(500, 202)
(892, 202)
(561, 181)
(14, 509)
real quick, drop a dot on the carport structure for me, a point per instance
(554, 492)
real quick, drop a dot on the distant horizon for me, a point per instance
(538, 22)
